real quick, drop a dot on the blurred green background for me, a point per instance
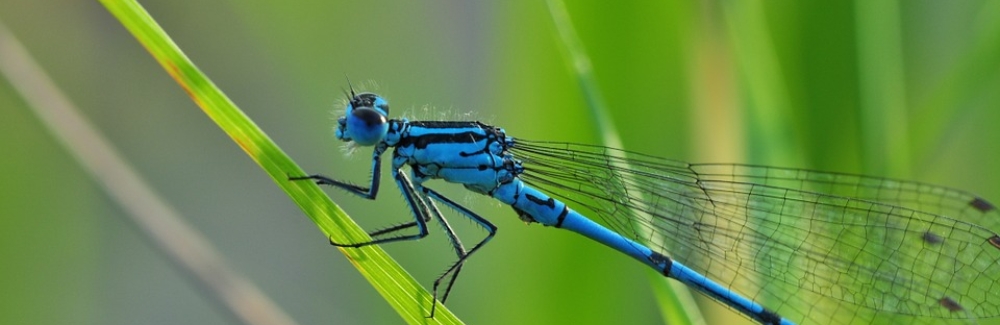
(904, 90)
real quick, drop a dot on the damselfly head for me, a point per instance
(364, 120)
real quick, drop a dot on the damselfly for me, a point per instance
(811, 246)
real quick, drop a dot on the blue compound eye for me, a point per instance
(365, 122)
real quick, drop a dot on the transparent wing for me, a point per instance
(816, 247)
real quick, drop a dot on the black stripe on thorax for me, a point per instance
(448, 124)
(424, 133)
(422, 141)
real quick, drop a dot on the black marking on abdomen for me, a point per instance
(551, 203)
(562, 216)
(657, 258)
(981, 205)
(769, 317)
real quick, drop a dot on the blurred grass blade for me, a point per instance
(675, 298)
(402, 292)
(948, 107)
(882, 88)
(158, 222)
(770, 118)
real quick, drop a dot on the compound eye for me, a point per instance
(366, 123)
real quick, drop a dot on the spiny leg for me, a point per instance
(463, 255)
(418, 206)
(425, 207)
(366, 192)
(456, 243)
(413, 199)
(392, 229)
(422, 209)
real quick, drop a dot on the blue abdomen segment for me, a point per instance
(536, 206)
(548, 211)
(745, 306)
